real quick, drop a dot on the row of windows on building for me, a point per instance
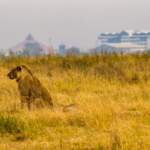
(141, 38)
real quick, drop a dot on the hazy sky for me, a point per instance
(74, 22)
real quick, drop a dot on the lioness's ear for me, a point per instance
(18, 68)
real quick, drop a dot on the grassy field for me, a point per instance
(112, 93)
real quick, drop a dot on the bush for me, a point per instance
(11, 124)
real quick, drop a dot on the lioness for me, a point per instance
(29, 86)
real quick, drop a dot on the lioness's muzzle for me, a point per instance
(10, 76)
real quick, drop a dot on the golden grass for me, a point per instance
(112, 114)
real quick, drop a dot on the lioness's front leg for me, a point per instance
(23, 101)
(26, 100)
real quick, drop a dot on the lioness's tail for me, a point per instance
(66, 108)
(69, 108)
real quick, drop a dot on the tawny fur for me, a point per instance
(29, 86)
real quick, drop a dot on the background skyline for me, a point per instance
(73, 22)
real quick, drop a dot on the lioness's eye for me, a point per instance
(18, 68)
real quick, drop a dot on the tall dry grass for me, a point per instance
(112, 93)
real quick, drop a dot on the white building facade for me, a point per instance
(140, 40)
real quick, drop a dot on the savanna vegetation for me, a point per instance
(112, 97)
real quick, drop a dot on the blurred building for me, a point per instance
(119, 48)
(62, 49)
(73, 51)
(127, 37)
(32, 47)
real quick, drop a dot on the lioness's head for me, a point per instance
(15, 73)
